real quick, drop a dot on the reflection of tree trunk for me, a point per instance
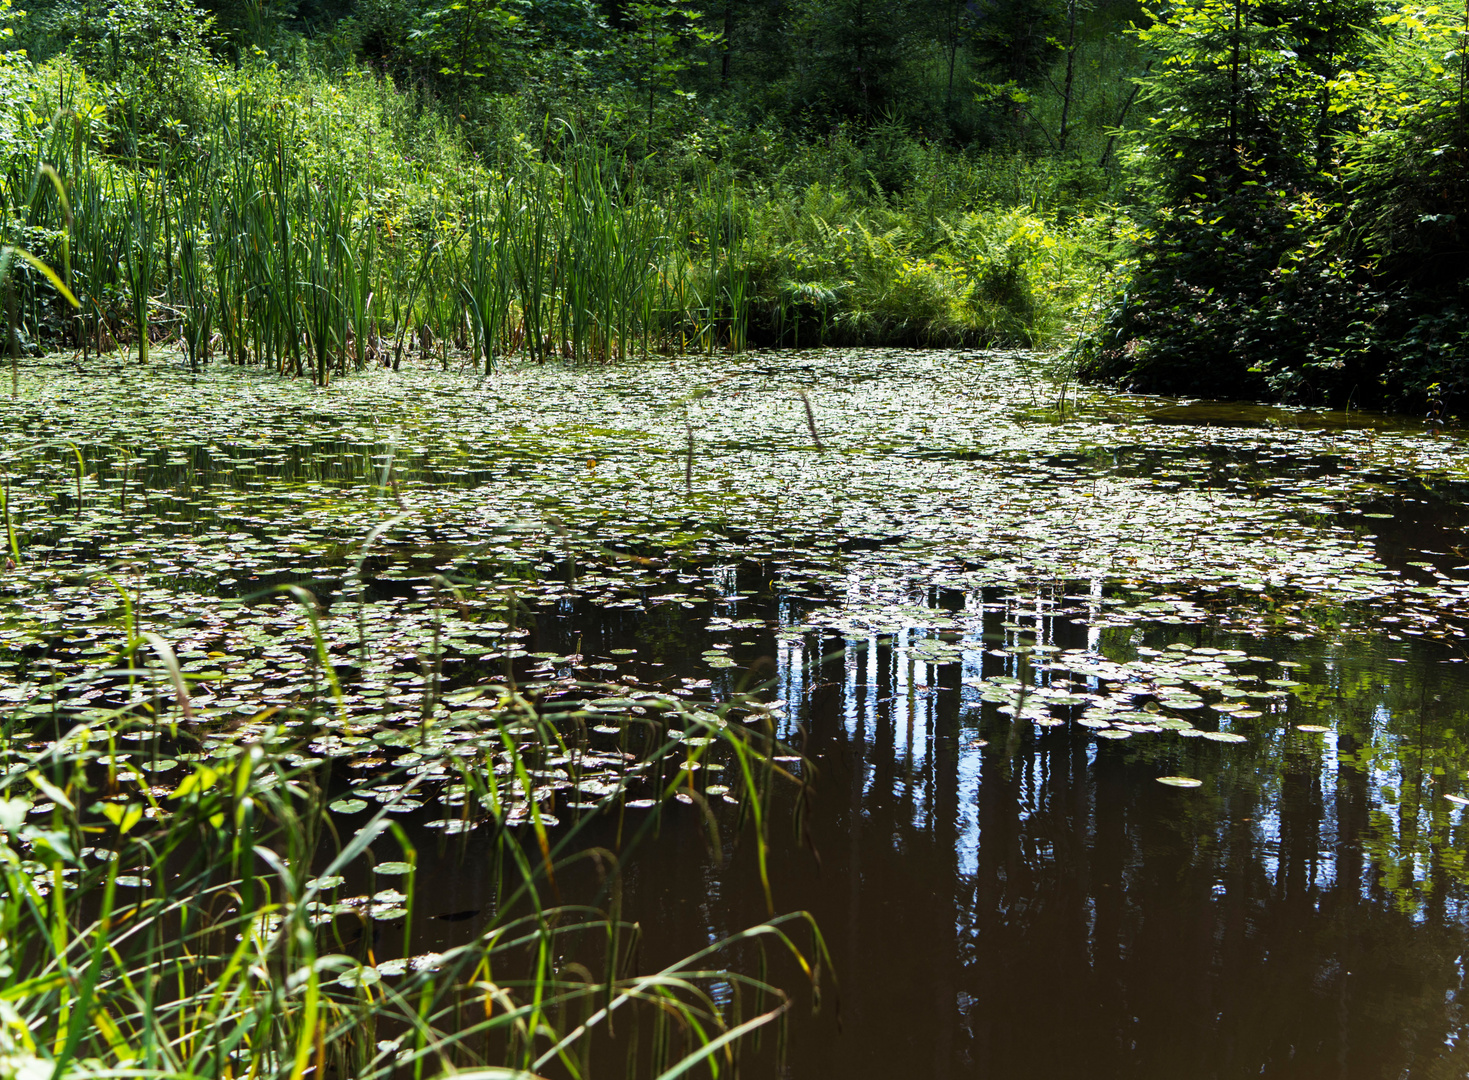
(1300, 828)
(858, 695)
(825, 694)
(1353, 806)
(1109, 944)
(1237, 960)
(944, 754)
(1069, 806)
(1437, 882)
(996, 886)
(883, 753)
(990, 1036)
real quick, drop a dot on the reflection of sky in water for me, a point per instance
(890, 703)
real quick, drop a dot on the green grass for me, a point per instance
(277, 231)
(203, 928)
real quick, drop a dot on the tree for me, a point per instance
(1016, 39)
(1406, 172)
(852, 54)
(664, 39)
(1238, 289)
(158, 51)
(952, 30)
(465, 40)
(1230, 101)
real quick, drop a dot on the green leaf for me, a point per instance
(123, 816)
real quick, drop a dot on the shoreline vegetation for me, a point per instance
(1213, 199)
(298, 233)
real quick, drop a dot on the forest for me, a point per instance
(1244, 200)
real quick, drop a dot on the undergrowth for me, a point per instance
(317, 224)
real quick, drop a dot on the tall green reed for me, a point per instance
(252, 254)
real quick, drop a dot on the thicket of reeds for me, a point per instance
(256, 237)
(227, 925)
(243, 252)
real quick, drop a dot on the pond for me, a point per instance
(1130, 733)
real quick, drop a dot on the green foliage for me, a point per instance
(148, 57)
(12, 60)
(7, 31)
(1239, 298)
(466, 39)
(1406, 174)
(660, 43)
(1017, 39)
(1309, 180)
(824, 268)
(856, 52)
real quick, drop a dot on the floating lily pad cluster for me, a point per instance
(423, 509)
(1192, 692)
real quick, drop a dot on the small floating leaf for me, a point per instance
(359, 976)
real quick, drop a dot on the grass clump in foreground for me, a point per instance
(204, 928)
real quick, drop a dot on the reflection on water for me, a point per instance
(1006, 901)
(1006, 888)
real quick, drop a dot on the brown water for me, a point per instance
(993, 629)
(1004, 902)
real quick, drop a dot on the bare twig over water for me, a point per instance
(688, 472)
(811, 420)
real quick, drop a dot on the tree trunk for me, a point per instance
(1070, 73)
(728, 34)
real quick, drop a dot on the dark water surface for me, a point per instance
(988, 630)
(1003, 904)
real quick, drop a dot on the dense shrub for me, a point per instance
(1308, 242)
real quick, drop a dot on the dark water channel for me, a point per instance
(1136, 743)
(1054, 911)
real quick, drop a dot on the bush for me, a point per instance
(826, 268)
